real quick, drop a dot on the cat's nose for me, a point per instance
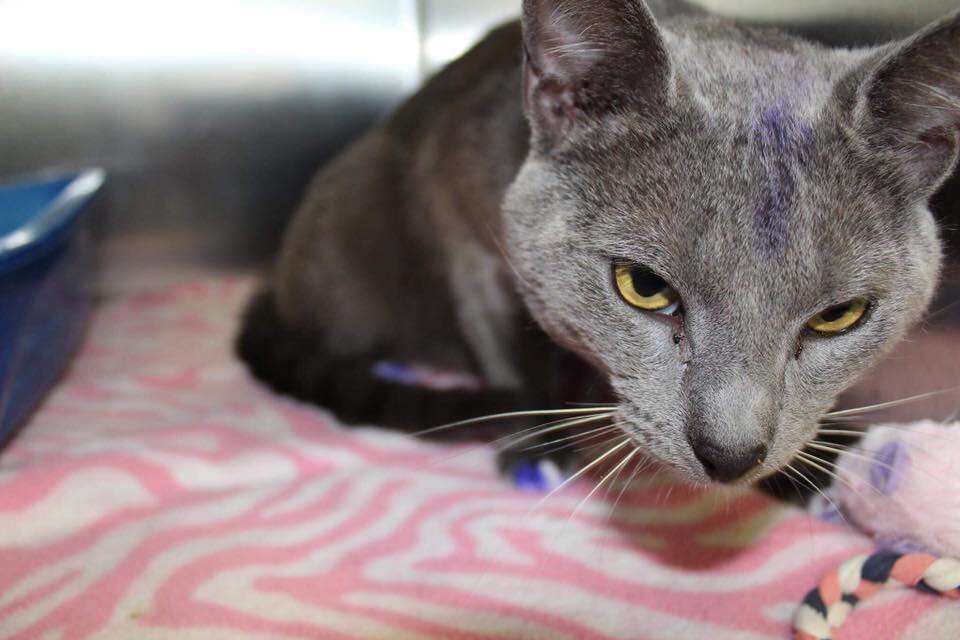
(726, 464)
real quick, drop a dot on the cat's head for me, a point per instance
(731, 223)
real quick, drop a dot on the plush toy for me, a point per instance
(901, 486)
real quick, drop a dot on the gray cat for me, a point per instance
(728, 224)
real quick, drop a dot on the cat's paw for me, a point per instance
(536, 473)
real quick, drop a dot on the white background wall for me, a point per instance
(211, 115)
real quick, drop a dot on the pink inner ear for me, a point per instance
(914, 102)
(586, 57)
(561, 59)
(553, 102)
(566, 56)
(934, 153)
(941, 141)
(564, 50)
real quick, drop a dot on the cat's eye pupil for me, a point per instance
(646, 282)
(643, 289)
(840, 319)
(835, 313)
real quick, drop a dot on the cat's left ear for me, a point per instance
(585, 59)
(909, 107)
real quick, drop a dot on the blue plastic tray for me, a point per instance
(44, 287)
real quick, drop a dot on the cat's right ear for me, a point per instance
(586, 59)
(908, 108)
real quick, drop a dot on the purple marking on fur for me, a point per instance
(784, 143)
(529, 477)
(395, 372)
(537, 476)
(426, 377)
(888, 467)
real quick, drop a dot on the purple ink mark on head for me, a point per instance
(889, 465)
(784, 143)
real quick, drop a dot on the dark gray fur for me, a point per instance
(765, 177)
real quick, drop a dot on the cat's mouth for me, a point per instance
(829, 437)
(690, 453)
(801, 460)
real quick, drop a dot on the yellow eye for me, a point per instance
(841, 318)
(642, 288)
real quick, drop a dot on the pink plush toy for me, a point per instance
(901, 485)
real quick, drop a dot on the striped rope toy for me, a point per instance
(828, 606)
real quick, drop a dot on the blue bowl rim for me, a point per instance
(56, 215)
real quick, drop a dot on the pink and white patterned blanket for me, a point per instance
(161, 493)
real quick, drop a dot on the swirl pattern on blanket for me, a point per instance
(161, 493)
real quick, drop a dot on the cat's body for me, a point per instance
(763, 177)
(398, 255)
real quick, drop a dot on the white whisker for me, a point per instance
(603, 480)
(887, 405)
(582, 446)
(524, 435)
(800, 497)
(581, 473)
(899, 427)
(871, 459)
(598, 405)
(640, 466)
(812, 484)
(842, 432)
(796, 487)
(511, 415)
(815, 462)
(611, 485)
(578, 436)
(945, 308)
(846, 420)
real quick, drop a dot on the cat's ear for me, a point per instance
(909, 106)
(584, 59)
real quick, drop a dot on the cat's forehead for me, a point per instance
(784, 146)
(752, 167)
(781, 188)
(779, 200)
(739, 73)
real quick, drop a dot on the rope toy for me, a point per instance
(828, 606)
(899, 486)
